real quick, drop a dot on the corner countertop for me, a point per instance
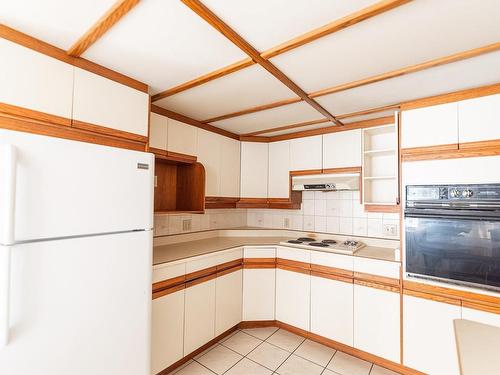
(477, 346)
(185, 246)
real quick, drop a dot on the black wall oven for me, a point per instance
(452, 234)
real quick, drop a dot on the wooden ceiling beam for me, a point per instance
(110, 18)
(287, 127)
(205, 13)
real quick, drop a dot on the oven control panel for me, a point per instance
(479, 192)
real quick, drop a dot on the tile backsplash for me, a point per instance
(329, 212)
(211, 219)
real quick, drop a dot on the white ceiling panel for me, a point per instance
(163, 43)
(271, 118)
(479, 71)
(244, 89)
(295, 130)
(58, 22)
(267, 23)
(413, 33)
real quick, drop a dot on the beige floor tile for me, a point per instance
(285, 340)
(329, 372)
(219, 359)
(377, 370)
(229, 336)
(346, 364)
(247, 367)
(180, 367)
(194, 368)
(242, 343)
(268, 356)
(205, 351)
(315, 352)
(261, 333)
(296, 365)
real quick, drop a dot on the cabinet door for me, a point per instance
(377, 321)
(332, 309)
(259, 294)
(182, 138)
(306, 153)
(35, 81)
(158, 131)
(293, 295)
(167, 331)
(430, 126)
(199, 320)
(229, 300)
(279, 169)
(209, 154)
(479, 119)
(342, 149)
(254, 164)
(429, 337)
(101, 101)
(230, 168)
(481, 316)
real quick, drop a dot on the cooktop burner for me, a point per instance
(330, 242)
(318, 244)
(351, 243)
(294, 241)
(306, 239)
(348, 246)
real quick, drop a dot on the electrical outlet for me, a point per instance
(286, 222)
(390, 229)
(186, 225)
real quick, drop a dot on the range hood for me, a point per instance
(326, 182)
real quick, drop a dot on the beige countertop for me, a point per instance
(478, 347)
(187, 249)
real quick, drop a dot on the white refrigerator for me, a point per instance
(75, 257)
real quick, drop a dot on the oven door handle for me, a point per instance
(452, 217)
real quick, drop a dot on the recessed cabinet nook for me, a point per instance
(299, 187)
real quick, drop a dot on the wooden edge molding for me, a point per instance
(432, 297)
(377, 279)
(331, 276)
(252, 203)
(200, 280)
(108, 131)
(306, 172)
(164, 284)
(293, 263)
(30, 114)
(385, 208)
(190, 121)
(257, 324)
(259, 266)
(59, 54)
(253, 138)
(201, 273)
(451, 151)
(285, 267)
(158, 151)
(111, 17)
(256, 263)
(482, 307)
(167, 291)
(201, 349)
(341, 170)
(230, 264)
(220, 202)
(375, 285)
(66, 132)
(331, 270)
(287, 127)
(227, 271)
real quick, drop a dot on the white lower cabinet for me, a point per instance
(332, 309)
(228, 301)
(167, 333)
(199, 323)
(429, 338)
(377, 322)
(481, 316)
(259, 294)
(293, 294)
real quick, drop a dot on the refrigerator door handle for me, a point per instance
(8, 160)
(5, 252)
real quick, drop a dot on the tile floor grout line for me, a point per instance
(202, 365)
(327, 363)
(286, 359)
(277, 329)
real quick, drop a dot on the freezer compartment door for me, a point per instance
(67, 188)
(80, 306)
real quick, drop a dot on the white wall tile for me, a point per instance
(320, 207)
(306, 195)
(308, 207)
(360, 226)
(345, 225)
(298, 222)
(375, 227)
(320, 223)
(278, 221)
(308, 222)
(346, 195)
(333, 208)
(268, 220)
(332, 224)
(358, 210)
(174, 224)
(345, 209)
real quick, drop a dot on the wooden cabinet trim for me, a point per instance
(432, 297)
(201, 273)
(167, 291)
(108, 131)
(293, 269)
(332, 276)
(293, 263)
(385, 208)
(227, 271)
(164, 284)
(376, 279)
(482, 307)
(200, 280)
(331, 270)
(230, 264)
(259, 263)
(220, 202)
(30, 114)
(342, 170)
(374, 285)
(306, 172)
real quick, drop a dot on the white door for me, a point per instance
(429, 336)
(80, 306)
(377, 322)
(293, 295)
(254, 165)
(199, 323)
(430, 126)
(479, 119)
(279, 169)
(306, 153)
(228, 301)
(167, 331)
(259, 294)
(342, 149)
(68, 188)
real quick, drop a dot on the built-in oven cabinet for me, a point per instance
(479, 119)
(428, 335)
(430, 126)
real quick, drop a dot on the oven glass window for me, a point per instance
(457, 249)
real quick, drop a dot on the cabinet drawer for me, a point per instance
(260, 252)
(377, 267)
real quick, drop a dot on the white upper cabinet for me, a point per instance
(342, 149)
(430, 126)
(209, 154)
(158, 131)
(101, 101)
(182, 138)
(254, 167)
(229, 167)
(306, 153)
(35, 81)
(479, 119)
(279, 169)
